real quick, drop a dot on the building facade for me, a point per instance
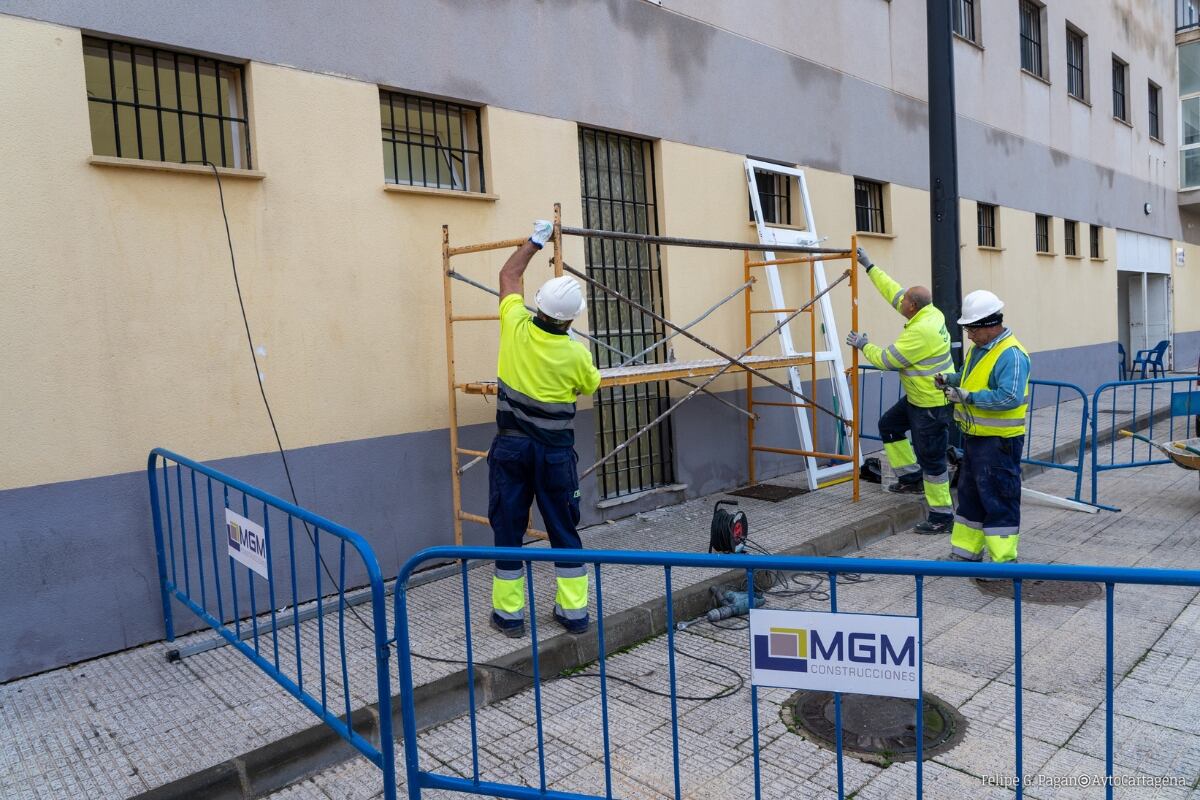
(348, 134)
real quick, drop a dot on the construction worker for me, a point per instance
(541, 371)
(921, 352)
(989, 405)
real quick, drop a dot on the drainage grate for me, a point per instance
(878, 730)
(1060, 593)
(771, 492)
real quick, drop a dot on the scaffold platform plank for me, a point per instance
(647, 373)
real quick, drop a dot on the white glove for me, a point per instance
(858, 340)
(956, 394)
(864, 259)
(543, 229)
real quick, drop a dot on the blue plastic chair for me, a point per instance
(1152, 358)
(1123, 364)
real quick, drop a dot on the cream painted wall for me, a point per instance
(126, 333)
(1051, 302)
(123, 330)
(1186, 286)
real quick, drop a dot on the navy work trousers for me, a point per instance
(522, 469)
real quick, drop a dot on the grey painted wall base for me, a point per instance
(1187, 351)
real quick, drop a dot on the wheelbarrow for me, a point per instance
(1185, 453)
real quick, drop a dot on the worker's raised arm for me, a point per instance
(891, 291)
(514, 268)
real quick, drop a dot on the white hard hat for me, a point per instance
(561, 298)
(979, 304)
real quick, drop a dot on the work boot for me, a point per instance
(513, 629)
(955, 557)
(930, 526)
(906, 487)
(575, 626)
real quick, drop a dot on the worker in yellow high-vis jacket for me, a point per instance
(541, 371)
(921, 352)
(989, 405)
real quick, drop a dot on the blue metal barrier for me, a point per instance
(880, 391)
(190, 537)
(420, 779)
(1171, 398)
(1031, 423)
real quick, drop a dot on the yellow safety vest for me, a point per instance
(983, 421)
(921, 352)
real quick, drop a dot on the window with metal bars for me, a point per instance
(963, 19)
(775, 197)
(162, 105)
(1070, 232)
(431, 143)
(868, 206)
(1031, 38)
(1095, 236)
(1076, 75)
(1120, 71)
(1041, 233)
(1154, 102)
(986, 218)
(619, 191)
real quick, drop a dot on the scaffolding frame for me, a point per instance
(631, 372)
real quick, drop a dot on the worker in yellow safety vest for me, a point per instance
(541, 371)
(990, 400)
(921, 352)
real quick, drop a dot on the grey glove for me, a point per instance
(858, 340)
(957, 394)
(864, 259)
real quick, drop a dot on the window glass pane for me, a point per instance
(104, 141)
(95, 70)
(1189, 111)
(1189, 167)
(187, 82)
(149, 119)
(191, 137)
(1189, 68)
(123, 70)
(127, 125)
(166, 81)
(144, 76)
(389, 162)
(171, 145)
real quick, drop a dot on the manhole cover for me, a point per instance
(770, 492)
(878, 730)
(1051, 592)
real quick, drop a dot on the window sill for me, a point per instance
(170, 166)
(1035, 76)
(1076, 258)
(1124, 122)
(1079, 100)
(874, 235)
(971, 42)
(1156, 140)
(1046, 253)
(1096, 259)
(990, 249)
(432, 192)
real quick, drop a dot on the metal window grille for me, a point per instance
(775, 197)
(1095, 234)
(1076, 87)
(431, 143)
(1118, 80)
(1041, 233)
(986, 215)
(1031, 37)
(963, 18)
(1070, 230)
(1155, 103)
(162, 105)
(619, 191)
(868, 206)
